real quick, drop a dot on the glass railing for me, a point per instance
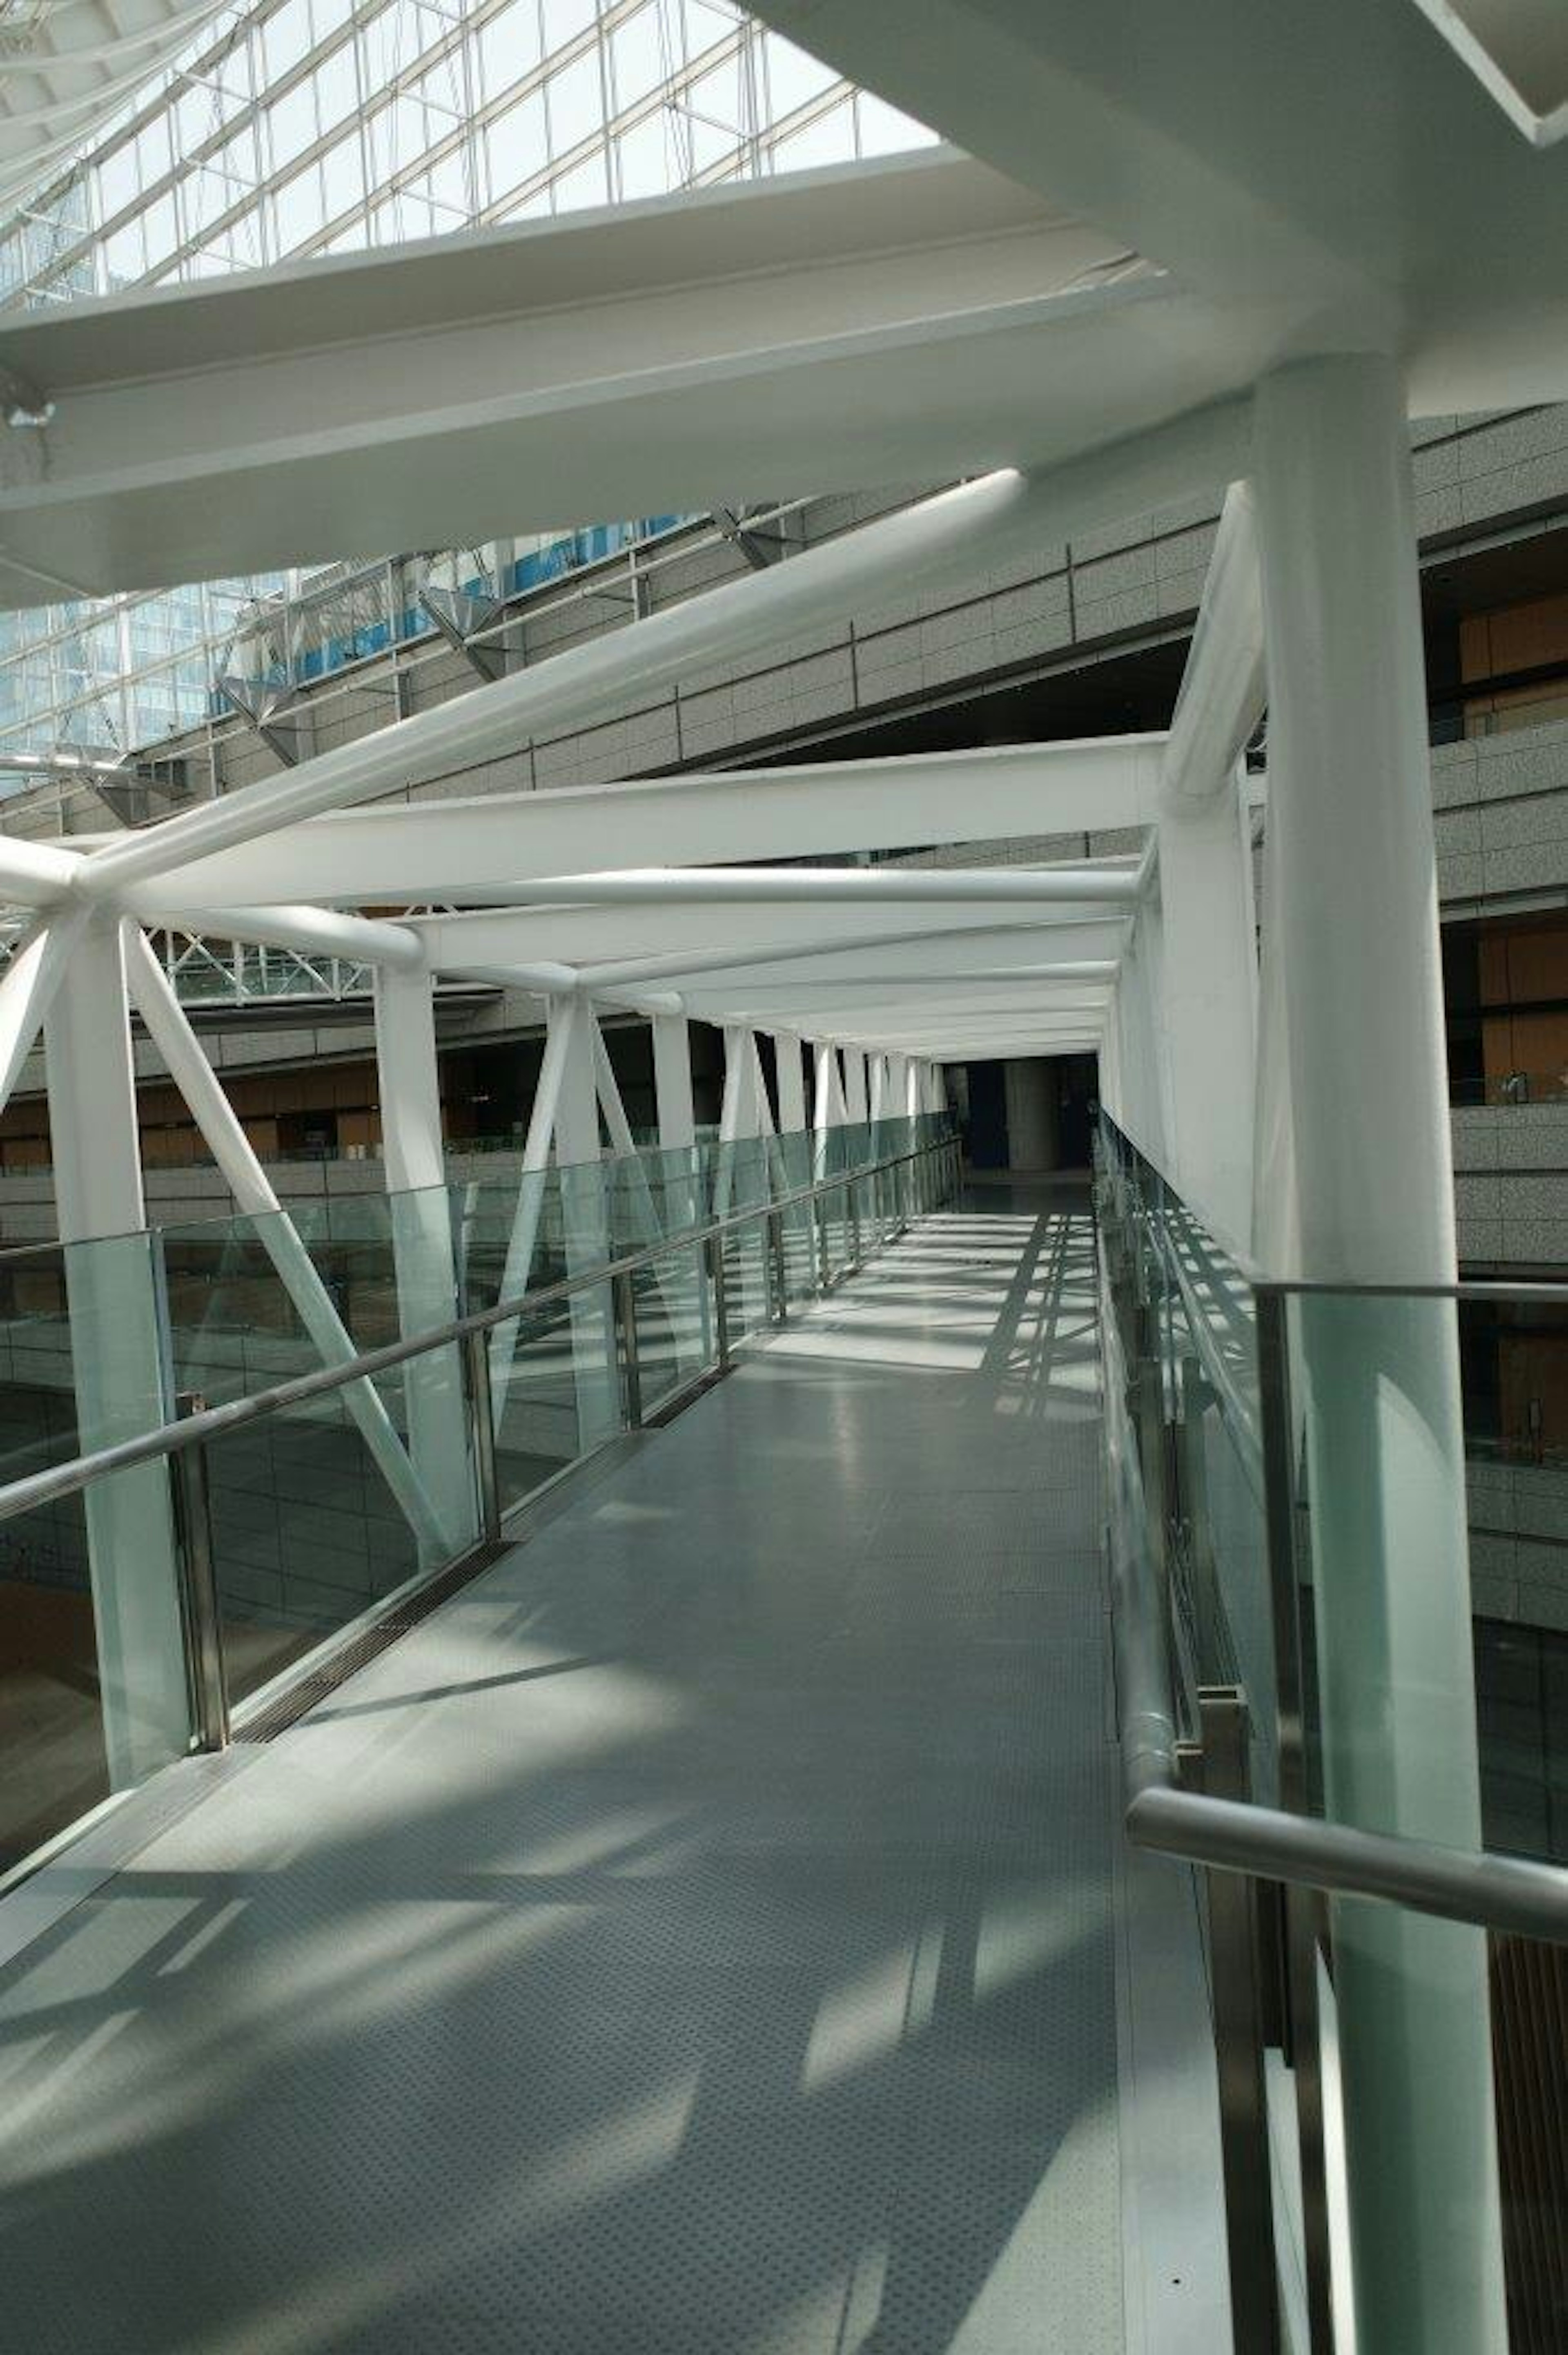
(1308, 1653)
(367, 1387)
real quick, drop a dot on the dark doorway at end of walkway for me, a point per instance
(1031, 1114)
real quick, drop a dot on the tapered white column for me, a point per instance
(1356, 912)
(423, 1252)
(672, 1082)
(856, 1093)
(579, 1170)
(1139, 1057)
(117, 1355)
(791, 1074)
(828, 1107)
(1208, 1006)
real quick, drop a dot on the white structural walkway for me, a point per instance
(697, 1935)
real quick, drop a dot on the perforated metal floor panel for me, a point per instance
(693, 1939)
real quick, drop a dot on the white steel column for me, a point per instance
(531, 1179)
(424, 1256)
(739, 1121)
(856, 1093)
(579, 1168)
(672, 1082)
(118, 1356)
(1207, 1006)
(256, 1199)
(1356, 912)
(828, 1103)
(791, 1074)
(1139, 1059)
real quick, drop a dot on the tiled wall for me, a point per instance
(1510, 1183)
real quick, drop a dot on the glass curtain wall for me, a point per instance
(302, 127)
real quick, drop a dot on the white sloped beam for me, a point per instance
(901, 322)
(35, 874)
(312, 932)
(1224, 684)
(938, 541)
(492, 943)
(771, 963)
(424, 1247)
(1337, 172)
(1084, 884)
(278, 1237)
(28, 987)
(495, 845)
(819, 1001)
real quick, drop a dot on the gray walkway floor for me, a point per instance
(694, 1939)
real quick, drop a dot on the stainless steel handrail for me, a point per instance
(59, 1480)
(1491, 1891)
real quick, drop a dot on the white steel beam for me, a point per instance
(492, 846)
(312, 932)
(275, 1230)
(791, 1077)
(901, 322)
(1208, 1006)
(1084, 884)
(424, 1251)
(819, 1000)
(498, 940)
(1043, 944)
(35, 874)
(672, 1041)
(828, 1107)
(1378, 1375)
(939, 541)
(27, 990)
(1404, 209)
(117, 1357)
(1223, 686)
(532, 1178)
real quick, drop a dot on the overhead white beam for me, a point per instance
(424, 1253)
(256, 1199)
(807, 998)
(493, 941)
(118, 1352)
(901, 322)
(1082, 885)
(1224, 684)
(938, 541)
(28, 990)
(995, 1047)
(773, 962)
(893, 1033)
(1340, 175)
(883, 1015)
(313, 932)
(34, 874)
(489, 847)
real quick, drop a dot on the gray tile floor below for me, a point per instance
(694, 1939)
